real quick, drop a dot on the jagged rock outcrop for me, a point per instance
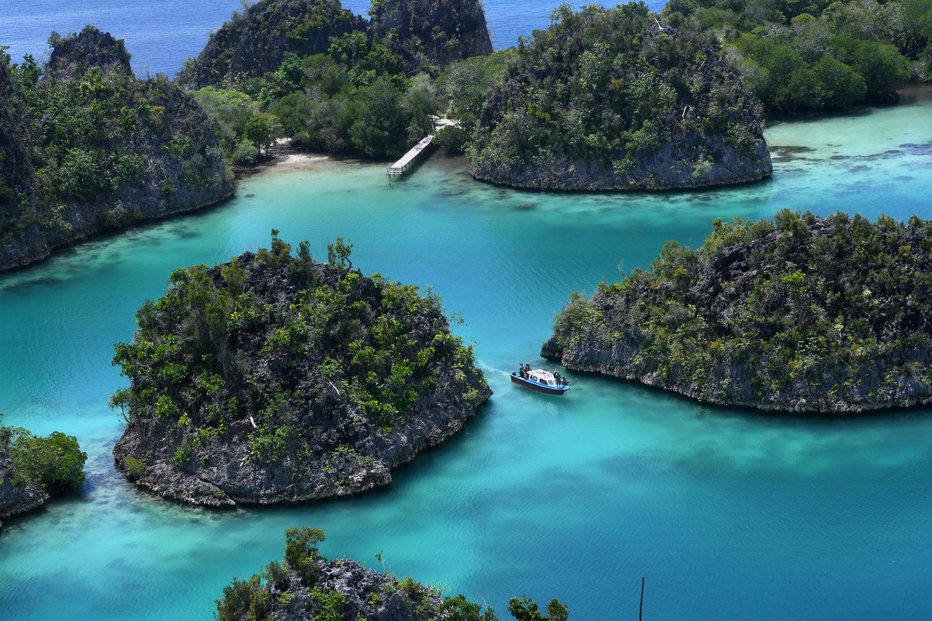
(33, 470)
(611, 99)
(104, 149)
(430, 34)
(275, 379)
(255, 41)
(72, 57)
(308, 586)
(813, 315)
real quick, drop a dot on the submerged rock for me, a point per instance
(276, 379)
(804, 315)
(611, 99)
(86, 147)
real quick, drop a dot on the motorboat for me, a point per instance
(541, 381)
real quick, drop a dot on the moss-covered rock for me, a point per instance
(612, 99)
(86, 147)
(275, 378)
(34, 469)
(803, 314)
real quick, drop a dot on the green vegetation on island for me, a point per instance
(257, 40)
(331, 82)
(85, 146)
(612, 99)
(800, 314)
(308, 586)
(275, 378)
(34, 469)
(817, 55)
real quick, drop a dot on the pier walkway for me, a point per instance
(418, 151)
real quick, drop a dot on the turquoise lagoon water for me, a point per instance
(728, 514)
(161, 34)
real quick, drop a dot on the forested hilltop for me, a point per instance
(612, 99)
(34, 469)
(308, 586)
(430, 34)
(255, 42)
(85, 146)
(275, 378)
(800, 314)
(818, 54)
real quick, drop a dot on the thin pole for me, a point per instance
(641, 609)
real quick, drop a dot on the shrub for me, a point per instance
(55, 463)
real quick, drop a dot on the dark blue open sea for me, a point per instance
(161, 34)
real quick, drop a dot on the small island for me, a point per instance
(85, 147)
(308, 586)
(802, 314)
(33, 469)
(613, 99)
(275, 379)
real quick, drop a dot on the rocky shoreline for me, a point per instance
(667, 170)
(18, 500)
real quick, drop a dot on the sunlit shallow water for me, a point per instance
(728, 514)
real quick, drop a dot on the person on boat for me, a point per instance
(557, 376)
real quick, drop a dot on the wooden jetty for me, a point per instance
(412, 157)
(418, 152)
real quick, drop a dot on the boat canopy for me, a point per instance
(544, 377)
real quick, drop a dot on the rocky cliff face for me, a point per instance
(686, 162)
(107, 150)
(16, 499)
(611, 99)
(312, 382)
(813, 316)
(255, 42)
(427, 34)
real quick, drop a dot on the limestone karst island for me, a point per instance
(462, 310)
